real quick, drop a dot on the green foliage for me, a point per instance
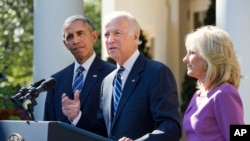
(92, 10)
(210, 18)
(16, 30)
(142, 46)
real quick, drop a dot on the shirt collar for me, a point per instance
(130, 62)
(86, 64)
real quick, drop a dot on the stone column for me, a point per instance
(50, 54)
(233, 16)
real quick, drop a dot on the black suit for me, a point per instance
(148, 108)
(89, 97)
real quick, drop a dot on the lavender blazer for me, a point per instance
(209, 118)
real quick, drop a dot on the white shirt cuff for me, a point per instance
(75, 121)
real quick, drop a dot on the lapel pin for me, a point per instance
(94, 75)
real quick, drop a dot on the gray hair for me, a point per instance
(75, 18)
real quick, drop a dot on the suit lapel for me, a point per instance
(90, 80)
(69, 76)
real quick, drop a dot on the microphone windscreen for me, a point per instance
(48, 84)
(38, 83)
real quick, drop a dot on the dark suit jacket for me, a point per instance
(148, 108)
(89, 96)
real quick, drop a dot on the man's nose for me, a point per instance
(110, 39)
(76, 39)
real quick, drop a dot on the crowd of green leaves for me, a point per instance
(16, 40)
(92, 10)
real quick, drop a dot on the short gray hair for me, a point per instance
(75, 18)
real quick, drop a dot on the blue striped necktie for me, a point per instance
(78, 81)
(117, 89)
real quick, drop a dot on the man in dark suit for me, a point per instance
(62, 102)
(148, 105)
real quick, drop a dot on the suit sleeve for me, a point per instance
(49, 113)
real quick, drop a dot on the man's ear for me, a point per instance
(65, 44)
(137, 34)
(95, 35)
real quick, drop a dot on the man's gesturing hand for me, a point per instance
(71, 108)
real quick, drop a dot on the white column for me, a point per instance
(233, 16)
(172, 52)
(107, 7)
(50, 55)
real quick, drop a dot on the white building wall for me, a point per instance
(197, 6)
(107, 7)
(173, 58)
(50, 54)
(233, 16)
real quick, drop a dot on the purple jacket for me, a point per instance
(209, 118)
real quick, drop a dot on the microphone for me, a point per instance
(28, 99)
(24, 91)
(45, 86)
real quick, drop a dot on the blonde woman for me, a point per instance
(211, 59)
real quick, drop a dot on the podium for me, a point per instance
(11, 130)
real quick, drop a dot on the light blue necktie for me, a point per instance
(117, 89)
(78, 82)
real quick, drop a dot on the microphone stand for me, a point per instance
(25, 99)
(31, 110)
(29, 101)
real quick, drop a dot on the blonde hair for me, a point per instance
(216, 48)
